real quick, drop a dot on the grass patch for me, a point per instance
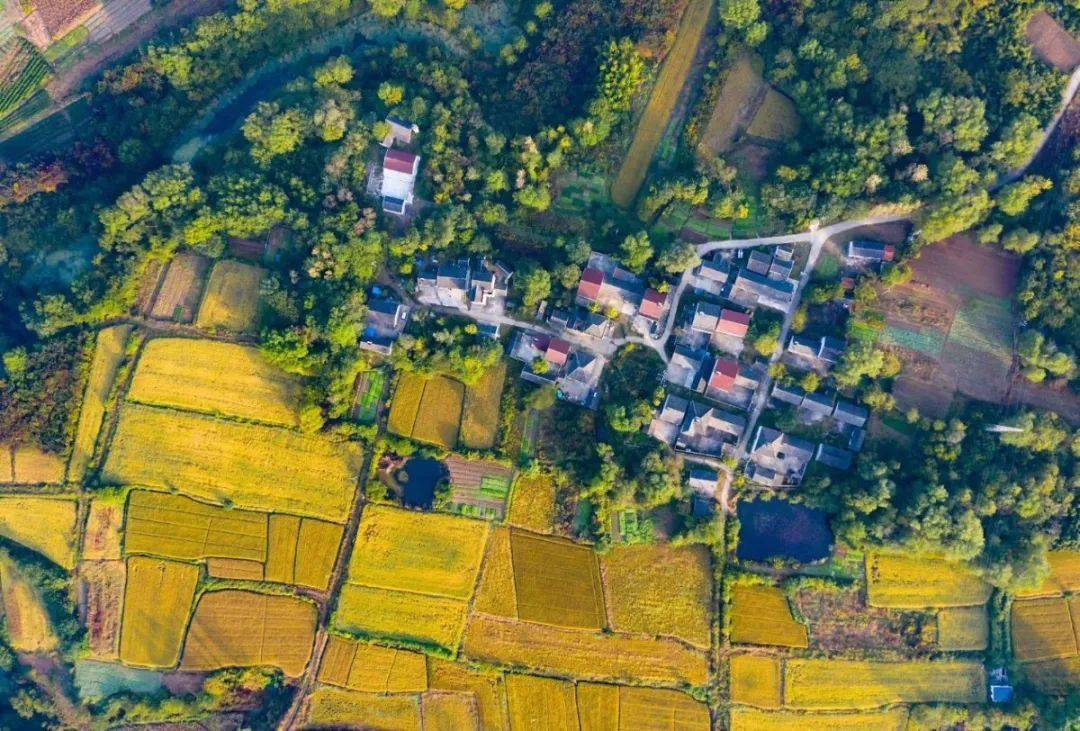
(929, 342)
(775, 119)
(742, 83)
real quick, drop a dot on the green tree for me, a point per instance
(1013, 200)
(273, 132)
(678, 257)
(739, 14)
(535, 286)
(953, 216)
(636, 251)
(955, 120)
(1018, 143)
(1041, 357)
(1020, 240)
(391, 94)
(621, 72)
(337, 71)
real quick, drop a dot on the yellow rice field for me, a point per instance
(541, 704)
(231, 299)
(406, 402)
(761, 615)
(1059, 676)
(652, 708)
(243, 628)
(7, 464)
(963, 629)
(598, 706)
(854, 685)
(449, 712)
(234, 568)
(340, 708)
(373, 669)
(439, 418)
(42, 524)
(660, 590)
(583, 654)
(665, 94)
(756, 681)
(247, 465)
(480, 413)
(302, 550)
(157, 603)
(556, 582)
(108, 354)
(487, 688)
(749, 719)
(532, 503)
(31, 466)
(495, 592)
(215, 378)
(25, 617)
(399, 615)
(1042, 629)
(1064, 575)
(174, 526)
(916, 583)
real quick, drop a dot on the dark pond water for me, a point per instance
(419, 478)
(779, 529)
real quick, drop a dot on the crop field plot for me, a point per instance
(157, 604)
(495, 590)
(25, 617)
(248, 465)
(340, 708)
(487, 689)
(427, 410)
(369, 390)
(760, 615)
(556, 582)
(1052, 43)
(923, 341)
(173, 526)
(115, 17)
(919, 583)
(1059, 676)
(749, 719)
(108, 354)
(102, 585)
(450, 711)
(7, 464)
(373, 669)
(178, 294)
(42, 524)
(839, 620)
(756, 681)
(1043, 629)
(231, 300)
(215, 378)
(963, 629)
(583, 654)
(852, 684)
(541, 703)
(665, 94)
(650, 708)
(28, 465)
(480, 413)
(234, 568)
(478, 488)
(243, 628)
(397, 615)
(1064, 575)
(776, 119)
(302, 550)
(406, 403)
(659, 590)
(23, 70)
(532, 503)
(739, 98)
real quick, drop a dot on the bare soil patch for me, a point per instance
(1052, 43)
(841, 621)
(101, 596)
(179, 294)
(961, 262)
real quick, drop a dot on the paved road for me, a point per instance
(1066, 99)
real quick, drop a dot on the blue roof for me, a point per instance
(1001, 693)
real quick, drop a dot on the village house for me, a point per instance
(554, 361)
(400, 131)
(848, 414)
(790, 395)
(702, 484)
(808, 353)
(751, 289)
(684, 368)
(465, 285)
(385, 321)
(490, 287)
(691, 426)
(759, 262)
(777, 459)
(731, 382)
(399, 171)
(722, 327)
(582, 323)
(838, 459)
(651, 312)
(869, 252)
(815, 407)
(606, 285)
(711, 276)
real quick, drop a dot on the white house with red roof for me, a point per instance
(398, 180)
(733, 323)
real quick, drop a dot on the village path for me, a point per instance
(1066, 99)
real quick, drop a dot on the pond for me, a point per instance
(779, 529)
(418, 479)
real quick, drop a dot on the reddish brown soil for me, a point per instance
(962, 262)
(841, 621)
(1052, 43)
(179, 683)
(103, 591)
(1053, 397)
(61, 16)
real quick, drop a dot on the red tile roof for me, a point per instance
(723, 374)
(652, 304)
(399, 161)
(557, 351)
(733, 323)
(591, 281)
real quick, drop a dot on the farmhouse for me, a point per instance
(733, 323)
(581, 323)
(776, 459)
(399, 172)
(685, 367)
(401, 131)
(465, 285)
(751, 289)
(814, 353)
(759, 262)
(838, 459)
(490, 287)
(653, 305)
(732, 383)
(705, 318)
(792, 395)
(711, 276)
(607, 285)
(691, 426)
(386, 318)
(816, 406)
(554, 361)
(869, 251)
(847, 413)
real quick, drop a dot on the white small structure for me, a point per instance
(401, 131)
(398, 180)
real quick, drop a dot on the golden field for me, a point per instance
(234, 568)
(373, 669)
(231, 299)
(42, 524)
(1064, 575)
(901, 582)
(761, 615)
(755, 680)
(749, 719)
(177, 297)
(556, 582)
(250, 466)
(157, 603)
(7, 464)
(651, 708)
(963, 629)
(25, 618)
(541, 704)
(215, 378)
(337, 707)
(400, 615)
(583, 654)
(243, 628)
(439, 417)
(302, 551)
(1042, 629)
(449, 712)
(108, 354)
(855, 685)
(598, 706)
(495, 591)
(487, 688)
(31, 466)
(532, 503)
(659, 590)
(406, 402)
(174, 526)
(480, 412)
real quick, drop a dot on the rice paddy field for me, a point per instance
(480, 412)
(486, 688)
(659, 590)
(756, 680)
(108, 354)
(532, 503)
(215, 378)
(1043, 628)
(963, 629)
(854, 685)
(157, 604)
(669, 85)
(42, 524)
(556, 582)
(302, 551)
(371, 668)
(28, 465)
(761, 615)
(749, 719)
(340, 708)
(26, 620)
(427, 410)
(231, 300)
(248, 465)
(917, 583)
(541, 703)
(177, 527)
(243, 628)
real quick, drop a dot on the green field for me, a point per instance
(368, 396)
(929, 343)
(24, 71)
(984, 323)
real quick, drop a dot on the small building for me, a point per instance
(691, 426)
(703, 481)
(838, 459)
(711, 276)
(856, 438)
(759, 262)
(792, 396)
(784, 252)
(445, 283)
(653, 304)
(1001, 690)
(722, 377)
(684, 368)
(401, 131)
(830, 349)
(869, 251)
(780, 269)
(816, 406)
(398, 180)
(605, 284)
(667, 423)
(386, 319)
(750, 289)
(803, 347)
(850, 414)
(733, 323)
(705, 317)
(776, 459)
(490, 286)
(576, 374)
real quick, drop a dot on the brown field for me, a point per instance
(856, 685)
(749, 719)
(108, 354)
(31, 466)
(102, 586)
(1052, 43)
(102, 537)
(532, 503)
(582, 654)
(242, 628)
(302, 550)
(556, 582)
(487, 688)
(1064, 575)
(760, 615)
(26, 620)
(173, 526)
(42, 524)
(756, 681)
(178, 295)
(231, 300)
(1042, 629)
(963, 629)
(840, 620)
(661, 591)
(373, 669)
(480, 413)
(157, 603)
(919, 583)
(340, 708)
(541, 704)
